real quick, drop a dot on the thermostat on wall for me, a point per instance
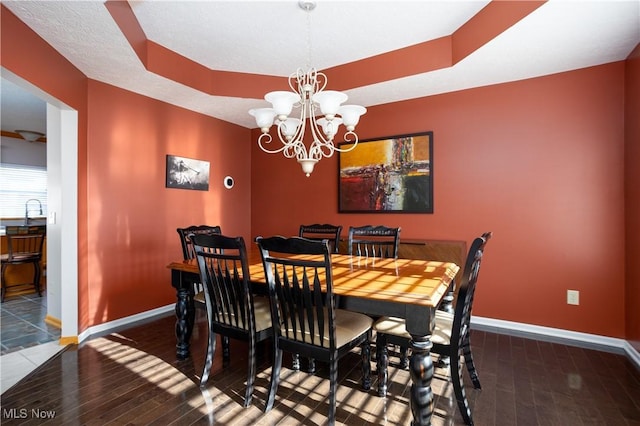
(228, 182)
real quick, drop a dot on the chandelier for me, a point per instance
(308, 94)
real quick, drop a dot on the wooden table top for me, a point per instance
(411, 281)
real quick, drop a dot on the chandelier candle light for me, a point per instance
(308, 94)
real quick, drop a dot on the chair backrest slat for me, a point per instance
(185, 240)
(19, 246)
(298, 272)
(224, 271)
(374, 241)
(322, 231)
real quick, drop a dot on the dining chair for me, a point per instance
(318, 232)
(23, 249)
(450, 335)
(374, 241)
(188, 253)
(323, 231)
(232, 309)
(304, 317)
(185, 240)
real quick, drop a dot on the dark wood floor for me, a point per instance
(132, 377)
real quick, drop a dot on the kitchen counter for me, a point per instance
(22, 225)
(36, 221)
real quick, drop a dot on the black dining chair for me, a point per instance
(321, 232)
(318, 232)
(374, 241)
(23, 249)
(185, 240)
(188, 253)
(304, 317)
(450, 335)
(232, 309)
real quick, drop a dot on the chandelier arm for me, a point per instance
(321, 81)
(323, 146)
(349, 138)
(265, 138)
(295, 149)
(317, 150)
(294, 83)
(302, 153)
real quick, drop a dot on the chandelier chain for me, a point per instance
(309, 62)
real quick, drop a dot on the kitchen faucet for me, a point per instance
(26, 208)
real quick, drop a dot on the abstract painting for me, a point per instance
(387, 175)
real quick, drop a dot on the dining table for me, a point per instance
(407, 288)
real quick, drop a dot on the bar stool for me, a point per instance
(23, 249)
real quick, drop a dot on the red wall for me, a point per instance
(132, 217)
(538, 162)
(632, 195)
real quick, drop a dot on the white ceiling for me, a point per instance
(272, 37)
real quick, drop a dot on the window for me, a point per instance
(18, 184)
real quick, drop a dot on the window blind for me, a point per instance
(19, 183)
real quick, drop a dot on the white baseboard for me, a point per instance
(111, 326)
(574, 338)
(591, 341)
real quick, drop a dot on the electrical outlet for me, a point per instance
(573, 297)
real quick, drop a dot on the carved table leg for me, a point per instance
(382, 362)
(447, 306)
(185, 314)
(366, 365)
(421, 370)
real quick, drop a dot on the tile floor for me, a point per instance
(26, 340)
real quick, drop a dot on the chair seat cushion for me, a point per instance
(396, 326)
(262, 312)
(349, 325)
(260, 306)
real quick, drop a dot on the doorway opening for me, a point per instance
(62, 212)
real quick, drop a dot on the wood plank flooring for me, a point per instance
(132, 377)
